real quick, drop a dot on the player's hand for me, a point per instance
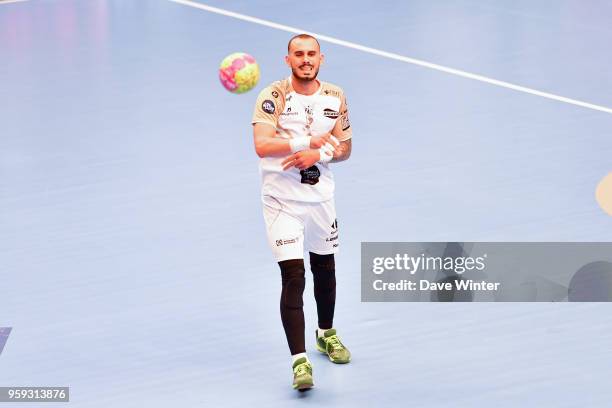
(320, 141)
(302, 159)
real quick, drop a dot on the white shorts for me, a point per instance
(295, 226)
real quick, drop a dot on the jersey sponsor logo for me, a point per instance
(288, 112)
(268, 106)
(345, 123)
(281, 242)
(330, 113)
(331, 92)
(310, 175)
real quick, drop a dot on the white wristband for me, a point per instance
(299, 143)
(325, 155)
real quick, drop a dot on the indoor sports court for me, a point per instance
(134, 264)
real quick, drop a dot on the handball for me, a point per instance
(239, 72)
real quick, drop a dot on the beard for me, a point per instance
(300, 77)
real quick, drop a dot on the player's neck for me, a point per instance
(305, 87)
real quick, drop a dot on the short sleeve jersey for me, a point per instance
(296, 115)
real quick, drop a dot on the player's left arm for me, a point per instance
(343, 132)
(343, 151)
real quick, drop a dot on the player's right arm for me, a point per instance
(269, 105)
(266, 142)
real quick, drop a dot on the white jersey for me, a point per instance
(296, 115)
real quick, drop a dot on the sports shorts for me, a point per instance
(295, 226)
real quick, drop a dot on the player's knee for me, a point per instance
(323, 272)
(292, 272)
(322, 263)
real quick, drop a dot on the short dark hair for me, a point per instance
(302, 37)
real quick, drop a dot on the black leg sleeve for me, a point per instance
(324, 277)
(291, 303)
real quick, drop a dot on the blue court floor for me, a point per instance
(133, 256)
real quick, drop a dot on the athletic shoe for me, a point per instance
(302, 374)
(331, 345)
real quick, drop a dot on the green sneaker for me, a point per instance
(302, 374)
(331, 345)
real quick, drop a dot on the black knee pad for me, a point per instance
(322, 263)
(323, 271)
(292, 273)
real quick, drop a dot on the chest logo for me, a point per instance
(288, 112)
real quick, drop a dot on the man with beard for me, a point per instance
(300, 125)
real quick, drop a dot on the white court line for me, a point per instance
(394, 56)
(11, 1)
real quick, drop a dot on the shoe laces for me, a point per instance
(334, 342)
(302, 369)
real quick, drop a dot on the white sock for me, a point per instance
(297, 356)
(321, 332)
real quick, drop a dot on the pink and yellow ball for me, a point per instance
(239, 72)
